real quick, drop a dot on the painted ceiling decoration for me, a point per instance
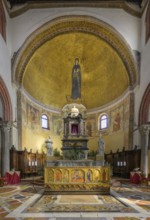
(46, 60)
(17, 7)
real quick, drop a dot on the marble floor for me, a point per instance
(23, 201)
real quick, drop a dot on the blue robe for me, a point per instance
(76, 82)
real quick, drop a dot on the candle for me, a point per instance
(35, 163)
(124, 163)
(32, 163)
(29, 163)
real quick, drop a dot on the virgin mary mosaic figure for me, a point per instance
(76, 80)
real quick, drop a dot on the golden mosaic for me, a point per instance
(47, 58)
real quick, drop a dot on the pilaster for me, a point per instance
(19, 118)
(5, 134)
(144, 131)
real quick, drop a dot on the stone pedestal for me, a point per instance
(100, 159)
(50, 158)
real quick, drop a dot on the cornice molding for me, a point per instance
(112, 104)
(39, 104)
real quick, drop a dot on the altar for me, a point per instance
(77, 180)
(75, 173)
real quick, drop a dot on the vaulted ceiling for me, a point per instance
(103, 74)
(44, 65)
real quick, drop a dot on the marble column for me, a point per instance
(5, 146)
(144, 131)
(81, 128)
(19, 118)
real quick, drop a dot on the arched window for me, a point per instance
(45, 122)
(103, 123)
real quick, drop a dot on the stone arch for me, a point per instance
(68, 24)
(7, 106)
(147, 23)
(2, 21)
(144, 107)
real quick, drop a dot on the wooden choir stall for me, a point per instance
(26, 162)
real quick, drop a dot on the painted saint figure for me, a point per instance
(76, 80)
(89, 176)
(117, 122)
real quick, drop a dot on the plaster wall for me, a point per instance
(127, 25)
(20, 28)
(33, 135)
(5, 73)
(144, 77)
(115, 137)
(8, 32)
(5, 62)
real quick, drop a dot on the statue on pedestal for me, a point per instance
(101, 146)
(49, 146)
(101, 150)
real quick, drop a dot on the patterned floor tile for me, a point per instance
(17, 195)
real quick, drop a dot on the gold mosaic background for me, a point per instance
(104, 76)
(43, 67)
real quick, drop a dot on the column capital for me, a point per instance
(5, 125)
(145, 129)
